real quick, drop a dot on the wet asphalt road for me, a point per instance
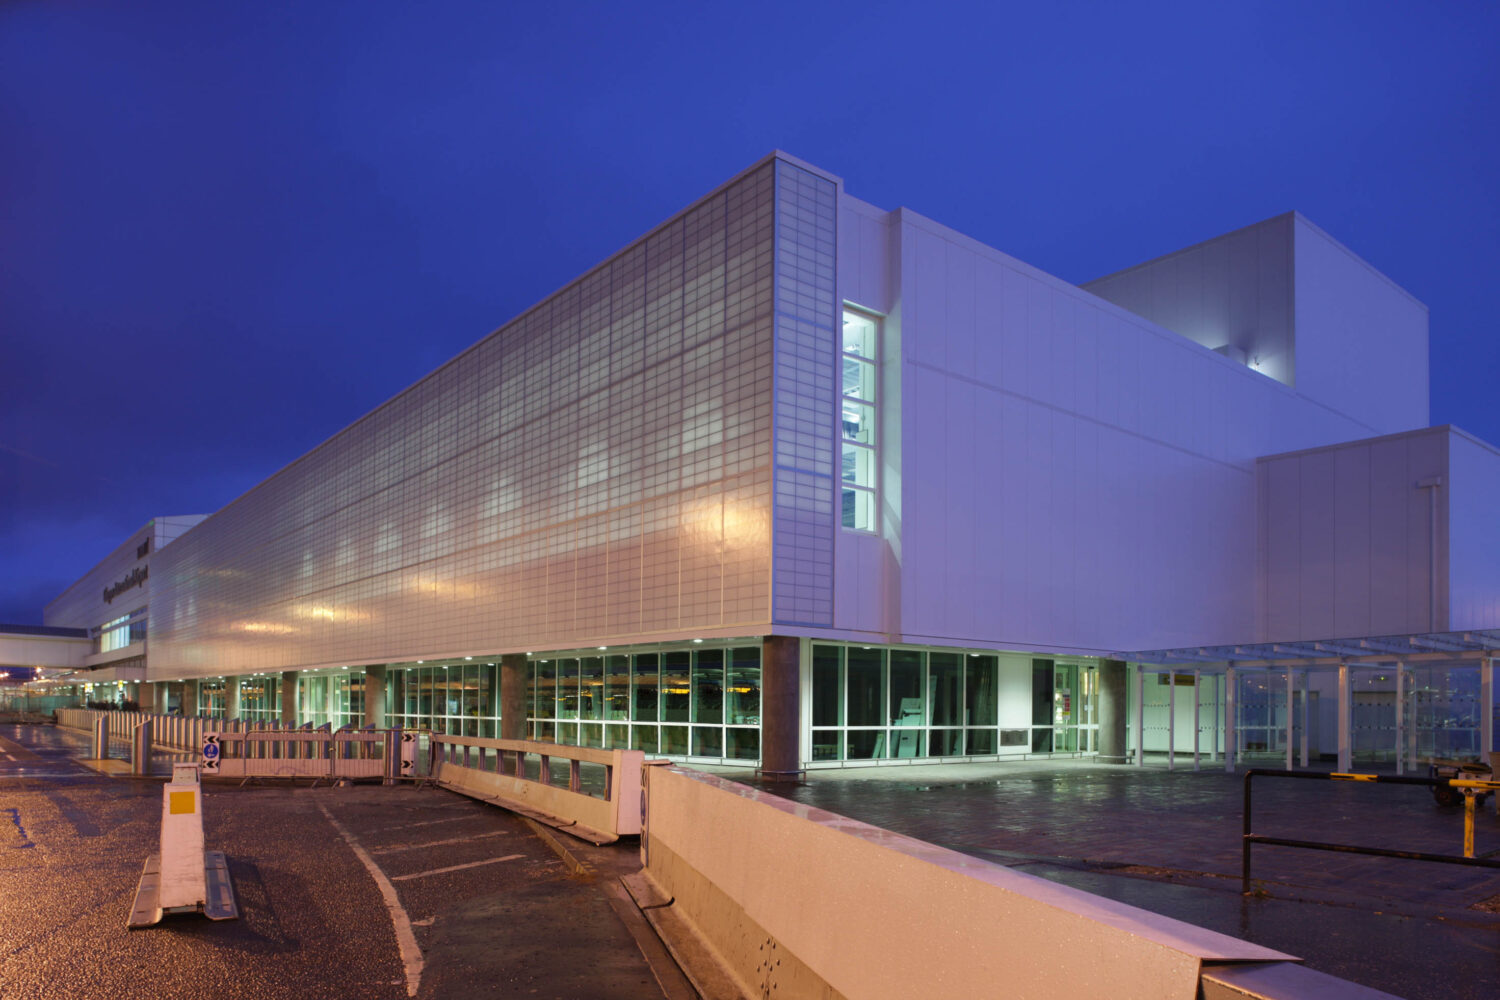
(507, 920)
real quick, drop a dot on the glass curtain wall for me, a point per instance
(875, 703)
(702, 703)
(260, 698)
(461, 699)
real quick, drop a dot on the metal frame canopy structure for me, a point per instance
(1474, 646)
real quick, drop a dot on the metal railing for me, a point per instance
(1469, 788)
(601, 806)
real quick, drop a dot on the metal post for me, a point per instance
(1197, 707)
(1400, 718)
(1345, 754)
(1171, 720)
(1306, 711)
(140, 749)
(1218, 710)
(1140, 716)
(1486, 709)
(1230, 739)
(101, 735)
(1291, 713)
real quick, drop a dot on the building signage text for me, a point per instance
(135, 579)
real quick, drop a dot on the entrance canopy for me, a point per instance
(1468, 646)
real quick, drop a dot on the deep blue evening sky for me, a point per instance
(228, 230)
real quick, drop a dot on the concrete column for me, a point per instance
(514, 668)
(1291, 713)
(190, 698)
(289, 697)
(1197, 716)
(780, 707)
(1307, 711)
(1346, 755)
(1114, 710)
(231, 697)
(1140, 716)
(375, 696)
(1400, 718)
(1171, 720)
(147, 697)
(1231, 738)
(1487, 711)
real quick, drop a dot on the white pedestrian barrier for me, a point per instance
(183, 877)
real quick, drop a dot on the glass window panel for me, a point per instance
(866, 683)
(617, 687)
(828, 744)
(567, 733)
(567, 689)
(675, 690)
(742, 744)
(907, 707)
(617, 737)
(743, 701)
(1041, 692)
(591, 734)
(859, 378)
(646, 688)
(946, 742)
(858, 509)
(708, 741)
(674, 740)
(591, 688)
(906, 743)
(545, 706)
(858, 464)
(865, 743)
(858, 422)
(859, 334)
(828, 689)
(981, 741)
(945, 673)
(708, 686)
(643, 738)
(546, 731)
(979, 687)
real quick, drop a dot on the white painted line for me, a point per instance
(406, 941)
(431, 822)
(456, 868)
(437, 843)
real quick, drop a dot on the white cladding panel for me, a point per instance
(596, 470)
(1473, 541)
(1348, 539)
(1234, 290)
(1361, 339)
(1071, 475)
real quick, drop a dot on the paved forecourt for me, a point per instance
(351, 892)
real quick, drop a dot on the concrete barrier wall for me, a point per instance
(599, 819)
(798, 902)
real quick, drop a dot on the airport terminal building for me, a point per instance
(796, 481)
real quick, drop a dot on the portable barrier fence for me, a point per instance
(264, 748)
(590, 793)
(1471, 790)
(319, 754)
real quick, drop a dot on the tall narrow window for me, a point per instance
(859, 457)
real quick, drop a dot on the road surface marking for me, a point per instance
(437, 843)
(456, 868)
(406, 941)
